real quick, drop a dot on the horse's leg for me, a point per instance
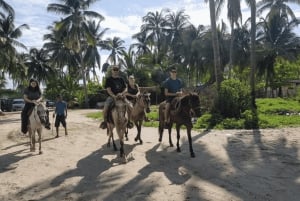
(190, 141)
(160, 130)
(122, 152)
(178, 137)
(126, 133)
(138, 125)
(39, 131)
(170, 137)
(33, 139)
(30, 139)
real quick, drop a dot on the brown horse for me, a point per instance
(38, 118)
(137, 114)
(117, 118)
(181, 113)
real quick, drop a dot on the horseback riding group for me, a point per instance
(126, 106)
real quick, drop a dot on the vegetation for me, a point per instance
(260, 53)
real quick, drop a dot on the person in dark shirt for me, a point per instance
(32, 95)
(172, 88)
(133, 90)
(61, 112)
(114, 85)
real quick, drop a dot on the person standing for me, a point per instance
(61, 113)
(114, 85)
(172, 88)
(32, 95)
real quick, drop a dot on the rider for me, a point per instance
(133, 89)
(32, 95)
(114, 85)
(173, 88)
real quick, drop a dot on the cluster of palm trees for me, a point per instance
(202, 53)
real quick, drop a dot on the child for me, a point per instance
(61, 114)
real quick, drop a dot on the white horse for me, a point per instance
(118, 119)
(38, 118)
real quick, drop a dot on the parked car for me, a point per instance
(50, 103)
(18, 104)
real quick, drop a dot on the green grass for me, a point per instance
(272, 113)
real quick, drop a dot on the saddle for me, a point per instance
(175, 104)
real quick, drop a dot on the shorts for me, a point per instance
(60, 119)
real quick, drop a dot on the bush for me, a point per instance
(234, 98)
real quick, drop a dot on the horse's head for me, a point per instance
(145, 101)
(194, 102)
(43, 114)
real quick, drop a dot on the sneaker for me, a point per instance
(48, 127)
(103, 125)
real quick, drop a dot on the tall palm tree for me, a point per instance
(252, 5)
(215, 42)
(155, 26)
(277, 39)
(178, 22)
(116, 48)
(75, 31)
(37, 63)
(92, 57)
(9, 43)
(234, 15)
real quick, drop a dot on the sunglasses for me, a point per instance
(115, 69)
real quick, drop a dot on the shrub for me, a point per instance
(233, 100)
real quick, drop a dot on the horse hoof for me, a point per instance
(193, 155)
(40, 152)
(141, 141)
(178, 150)
(171, 145)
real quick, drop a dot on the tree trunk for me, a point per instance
(215, 43)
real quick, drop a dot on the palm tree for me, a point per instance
(6, 7)
(234, 15)
(116, 48)
(252, 4)
(37, 63)
(75, 31)
(277, 7)
(277, 40)
(9, 43)
(92, 57)
(215, 42)
(178, 22)
(155, 27)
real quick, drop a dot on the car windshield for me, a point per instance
(18, 102)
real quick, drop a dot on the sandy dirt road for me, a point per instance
(229, 165)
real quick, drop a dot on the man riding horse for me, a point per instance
(173, 87)
(114, 85)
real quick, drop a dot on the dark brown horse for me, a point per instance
(137, 114)
(181, 113)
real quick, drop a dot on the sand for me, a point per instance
(229, 165)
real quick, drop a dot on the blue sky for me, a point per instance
(122, 17)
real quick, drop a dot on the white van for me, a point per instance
(18, 104)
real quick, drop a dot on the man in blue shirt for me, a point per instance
(173, 88)
(61, 114)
